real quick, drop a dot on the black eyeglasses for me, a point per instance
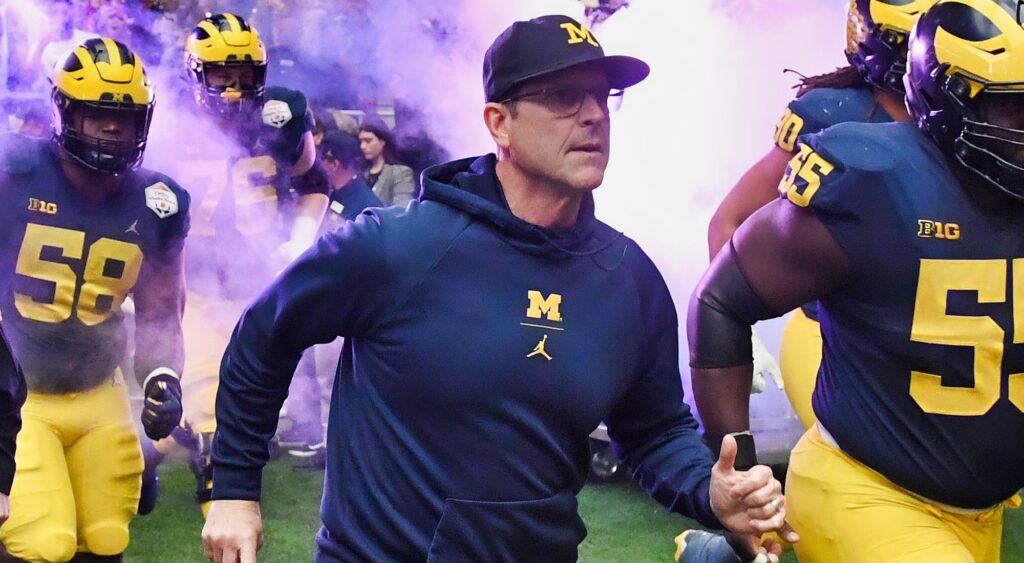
(567, 101)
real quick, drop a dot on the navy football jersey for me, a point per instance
(240, 184)
(67, 264)
(921, 375)
(819, 109)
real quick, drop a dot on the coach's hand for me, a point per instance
(162, 408)
(748, 503)
(233, 532)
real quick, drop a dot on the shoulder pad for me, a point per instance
(836, 166)
(164, 196)
(19, 154)
(820, 109)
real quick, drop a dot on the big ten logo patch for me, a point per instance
(41, 206)
(937, 229)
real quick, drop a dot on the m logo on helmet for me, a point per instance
(579, 34)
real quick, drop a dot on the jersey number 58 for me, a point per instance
(111, 269)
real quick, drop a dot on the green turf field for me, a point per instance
(625, 526)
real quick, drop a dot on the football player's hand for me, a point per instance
(276, 113)
(5, 508)
(161, 411)
(233, 532)
(747, 502)
(765, 365)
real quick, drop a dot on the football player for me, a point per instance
(260, 198)
(84, 228)
(869, 90)
(909, 235)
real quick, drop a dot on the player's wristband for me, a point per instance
(746, 450)
(162, 374)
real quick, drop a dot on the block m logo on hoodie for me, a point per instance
(544, 307)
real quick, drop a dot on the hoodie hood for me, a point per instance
(472, 186)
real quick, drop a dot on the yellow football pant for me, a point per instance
(207, 325)
(845, 512)
(799, 360)
(78, 475)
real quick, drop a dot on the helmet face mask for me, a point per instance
(108, 138)
(102, 105)
(965, 88)
(992, 141)
(225, 100)
(226, 63)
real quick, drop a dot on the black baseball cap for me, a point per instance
(342, 146)
(528, 49)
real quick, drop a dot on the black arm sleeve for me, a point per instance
(723, 308)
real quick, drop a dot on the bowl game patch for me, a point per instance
(161, 200)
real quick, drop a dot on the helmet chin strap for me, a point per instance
(231, 95)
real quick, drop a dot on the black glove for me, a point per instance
(161, 412)
(746, 451)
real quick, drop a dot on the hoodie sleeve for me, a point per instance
(651, 427)
(335, 289)
(12, 396)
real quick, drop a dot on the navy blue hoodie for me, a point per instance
(480, 352)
